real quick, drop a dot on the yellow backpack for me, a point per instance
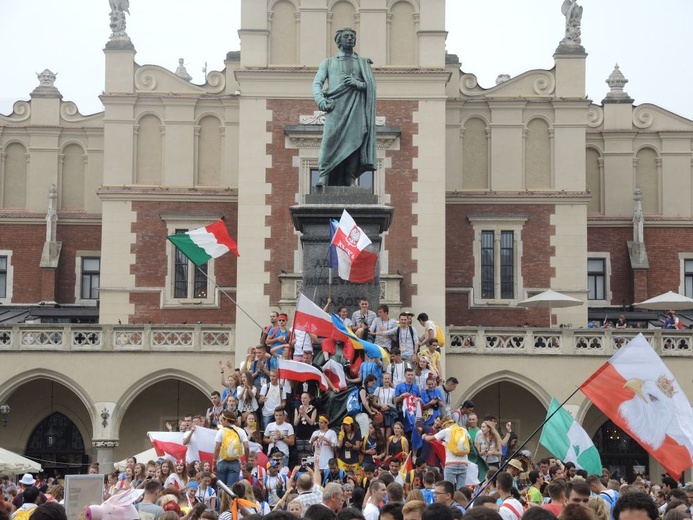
(440, 335)
(459, 441)
(231, 446)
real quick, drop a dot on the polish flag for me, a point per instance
(303, 372)
(201, 445)
(637, 392)
(349, 240)
(168, 444)
(312, 319)
(335, 373)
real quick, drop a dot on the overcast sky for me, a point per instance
(652, 41)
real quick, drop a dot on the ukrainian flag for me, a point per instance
(347, 335)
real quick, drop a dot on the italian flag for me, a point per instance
(201, 245)
(568, 441)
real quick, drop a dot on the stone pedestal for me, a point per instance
(312, 220)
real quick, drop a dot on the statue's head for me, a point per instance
(340, 35)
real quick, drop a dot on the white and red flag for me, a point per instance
(637, 392)
(335, 373)
(303, 372)
(311, 318)
(355, 264)
(168, 444)
(201, 445)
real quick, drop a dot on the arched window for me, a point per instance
(15, 176)
(283, 37)
(537, 155)
(149, 151)
(647, 179)
(209, 152)
(73, 177)
(594, 181)
(475, 155)
(403, 38)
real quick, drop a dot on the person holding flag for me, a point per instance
(457, 445)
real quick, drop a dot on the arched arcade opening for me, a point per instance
(511, 401)
(620, 453)
(49, 423)
(165, 401)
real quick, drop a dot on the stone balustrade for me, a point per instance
(563, 341)
(221, 338)
(117, 338)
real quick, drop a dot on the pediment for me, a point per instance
(530, 84)
(657, 119)
(156, 79)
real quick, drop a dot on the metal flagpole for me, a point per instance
(229, 297)
(518, 450)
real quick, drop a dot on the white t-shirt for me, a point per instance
(429, 325)
(327, 446)
(511, 509)
(286, 430)
(386, 396)
(371, 512)
(303, 342)
(397, 371)
(274, 396)
(450, 457)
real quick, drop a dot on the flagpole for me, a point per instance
(229, 297)
(518, 450)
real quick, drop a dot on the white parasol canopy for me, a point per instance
(550, 299)
(13, 464)
(667, 301)
(145, 457)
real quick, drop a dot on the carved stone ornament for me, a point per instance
(46, 78)
(105, 444)
(616, 82)
(318, 118)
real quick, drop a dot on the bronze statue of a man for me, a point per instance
(348, 141)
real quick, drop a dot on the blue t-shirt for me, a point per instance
(371, 367)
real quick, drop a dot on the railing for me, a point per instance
(122, 338)
(589, 342)
(216, 338)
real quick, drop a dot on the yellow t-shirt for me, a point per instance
(433, 356)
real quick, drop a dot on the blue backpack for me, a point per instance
(353, 403)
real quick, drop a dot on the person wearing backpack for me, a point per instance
(31, 500)
(457, 445)
(231, 443)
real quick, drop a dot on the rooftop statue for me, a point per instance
(348, 142)
(118, 10)
(573, 18)
(182, 72)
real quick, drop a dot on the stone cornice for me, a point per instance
(65, 217)
(594, 221)
(517, 197)
(167, 193)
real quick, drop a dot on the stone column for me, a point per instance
(104, 454)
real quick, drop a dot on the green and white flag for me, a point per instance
(568, 441)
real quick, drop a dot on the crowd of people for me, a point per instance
(287, 449)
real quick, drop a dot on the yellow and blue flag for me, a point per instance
(344, 334)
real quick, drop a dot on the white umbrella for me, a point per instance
(550, 299)
(667, 301)
(145, 457)
(12, 464)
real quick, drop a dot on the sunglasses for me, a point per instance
(281, 320)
